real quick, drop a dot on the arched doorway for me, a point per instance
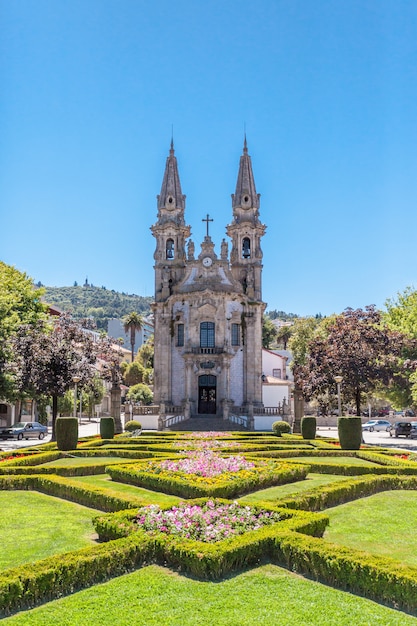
(207, 385)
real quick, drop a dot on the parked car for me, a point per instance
(376, 425)
(413, 434)
(400, 428)
(24, 430)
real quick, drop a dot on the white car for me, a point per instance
(376, 425)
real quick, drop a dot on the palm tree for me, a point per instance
(284, 335)
(131, 323)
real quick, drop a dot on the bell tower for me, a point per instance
(170, 231)
(246, 231)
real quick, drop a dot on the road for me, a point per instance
(377, 439)
(93, 428)
(85, 429)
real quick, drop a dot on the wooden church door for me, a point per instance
(207, 394)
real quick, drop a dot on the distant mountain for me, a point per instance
(99, 303)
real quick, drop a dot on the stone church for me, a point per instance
(208, 306)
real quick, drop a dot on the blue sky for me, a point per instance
(327, 91)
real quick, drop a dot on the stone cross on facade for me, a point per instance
(207, 220)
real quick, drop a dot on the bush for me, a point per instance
(280, 427)
(308, 427)
(350, 432)
(66, 433)
(132, 425)
(107, 427)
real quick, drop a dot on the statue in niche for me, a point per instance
(191, 250)
(224, 250)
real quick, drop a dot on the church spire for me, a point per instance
(245, 194)
(171, 195)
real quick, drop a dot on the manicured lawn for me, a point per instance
(265, 596)
(275, 493)
(105, 482)
(383, 524)
(34, 526)
(332, 460)
(76, 461)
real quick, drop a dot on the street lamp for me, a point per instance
(338, 380)
(75, 380)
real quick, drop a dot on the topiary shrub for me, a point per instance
(132, 425)
(350, 432)
(107, 427)
(308, 427)
(280, 427)
(66, 429)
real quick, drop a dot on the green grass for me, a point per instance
(265, 596)
(77, 461)
(331, 460)
(105, 482)
(35, 526)
(383, 524)
(272, 494)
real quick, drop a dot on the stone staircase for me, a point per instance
(207, 423)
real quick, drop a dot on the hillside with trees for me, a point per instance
(98, 303)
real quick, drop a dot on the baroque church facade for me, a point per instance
(208, 307)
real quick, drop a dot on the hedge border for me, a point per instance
(184, 486)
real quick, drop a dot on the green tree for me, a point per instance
(131, 324)
(140, 393)
(146, 352)
(134, 373)
(401, 316)
(269, 332)
(20, 303)
(284, 335)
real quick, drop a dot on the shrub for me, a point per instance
(308, 427)
(107, 427)
(281, 427)
(66, 433)
(350, 432)
(132, 425)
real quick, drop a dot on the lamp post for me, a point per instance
(75, 380)
(338, 380)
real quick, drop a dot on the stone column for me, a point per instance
(298, 409)
(115, 404)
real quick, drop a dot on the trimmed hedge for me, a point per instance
(66, 429)
(132, 425)
(87, 495)
(280, 427)
(33, 584)
(376, 578)
(308, 427)
(350, 432)
(326, 496)
(224, 486)
(107, 427)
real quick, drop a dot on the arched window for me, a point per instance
(170, 247)
(246, 248)
(207, 339)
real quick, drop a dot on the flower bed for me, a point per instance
(227, 484)
(212, 521)
(206, 444)
(206, 463)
